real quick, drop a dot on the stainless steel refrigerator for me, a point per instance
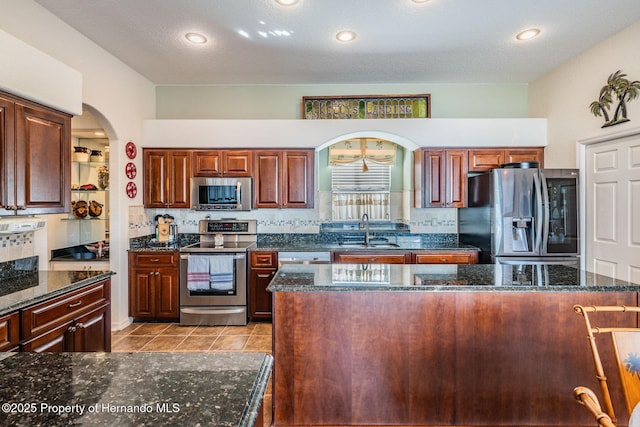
(519, 213)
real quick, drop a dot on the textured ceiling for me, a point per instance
(398, 41)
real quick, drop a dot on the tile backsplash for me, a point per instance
(16, 246)
(299, 221)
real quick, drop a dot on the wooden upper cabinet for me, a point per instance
(167, 178)
(481, 160)
(441, 178)
(222, 163)
(516, 155)
(35, 148)
(284, 179)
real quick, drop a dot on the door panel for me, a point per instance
(612, 214)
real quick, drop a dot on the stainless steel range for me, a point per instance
(213, 273)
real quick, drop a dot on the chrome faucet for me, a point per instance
(364, 223)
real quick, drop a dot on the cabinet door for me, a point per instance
(485, 159)
(297, 179)
(237, 163)
(441, 257)
(9, 331)
(43, 160)
(433, 186)
(7, 154)
(92, 331)
(207, 163)
(266, 183)
(156, 181)
(141, 299)
(259, 299)
(456, 178)
(516, 155)
(165, 288)
(179, 175)
(57, 340)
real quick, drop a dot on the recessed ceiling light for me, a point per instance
(528, 34)
(287, 2)
(196, 38)
(346, 36)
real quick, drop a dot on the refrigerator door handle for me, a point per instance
(539, 213)
(546, 215)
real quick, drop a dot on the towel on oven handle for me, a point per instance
(221, 272)
(198, 273)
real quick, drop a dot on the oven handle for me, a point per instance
(212, 310)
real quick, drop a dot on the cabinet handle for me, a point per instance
(373, 259)
(20, 208)
(443, 259)
(262, 276)
(157, 273)
(71, 328)
(154, 260)
(80, 325)
(75, 304)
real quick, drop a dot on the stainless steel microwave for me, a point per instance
(208, 194)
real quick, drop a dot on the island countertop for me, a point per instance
(474, 277)
(141, 389)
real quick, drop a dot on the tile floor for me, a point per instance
(255, 337)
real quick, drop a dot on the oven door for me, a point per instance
(232, 291)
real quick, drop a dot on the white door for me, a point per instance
(612, 216)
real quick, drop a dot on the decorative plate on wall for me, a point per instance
(132, 190)
(130, 170)
(131, 150)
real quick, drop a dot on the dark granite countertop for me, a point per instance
(30, 288)
(441, 277)
(303, 246)
(290, 242)
(133, 389)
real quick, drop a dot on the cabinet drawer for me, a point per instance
(153, 259)
(264, 259)
(371, 258)
(9, 331)
(51, 313)
(446, 258)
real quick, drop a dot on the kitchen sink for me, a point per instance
(371, 245)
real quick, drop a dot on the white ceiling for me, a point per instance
(398, 41)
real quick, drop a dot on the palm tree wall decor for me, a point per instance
(623, 90)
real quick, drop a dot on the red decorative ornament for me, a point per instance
(130, 170)
(132, 190)
(131, 150)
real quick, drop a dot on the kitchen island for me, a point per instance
(435, 344)
(127, 389)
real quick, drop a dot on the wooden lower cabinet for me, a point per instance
(90, 332)
(436, 358)
(154, 285)
(444, 257)
(77, 321)
(371, 257)
(262, 268)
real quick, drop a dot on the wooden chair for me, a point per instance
(626, 346)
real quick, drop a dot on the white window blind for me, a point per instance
(355, 192)
(350, 178)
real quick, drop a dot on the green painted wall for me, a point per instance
(285, 101)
